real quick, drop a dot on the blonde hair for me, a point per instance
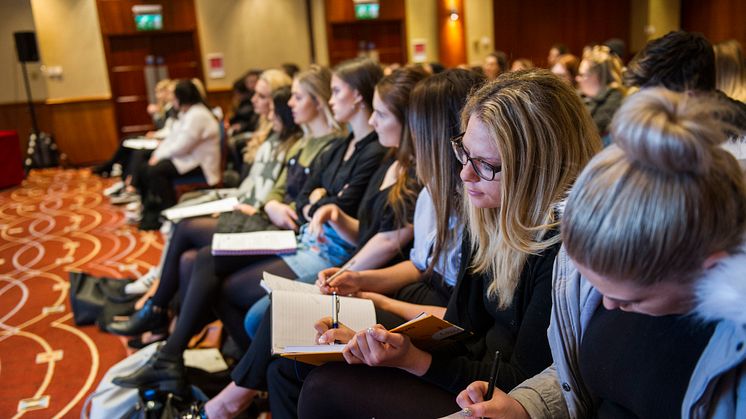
(653, 206)
(730, 69)
(607, 66)
(276, 79)
(316, 81)
(544, 136)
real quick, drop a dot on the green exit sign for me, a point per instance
(367, 10)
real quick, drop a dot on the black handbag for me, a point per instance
(91, 296)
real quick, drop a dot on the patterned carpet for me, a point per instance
(57, 221)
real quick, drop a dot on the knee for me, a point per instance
(186, 263)
(318, 391)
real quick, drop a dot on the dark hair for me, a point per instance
(437, 67)
(187, 93)
(434, 118)
(291, 131)
(502, 60)
(240, 87)
(361, 74)
(291, 69)
(394, 90)
(678, 61)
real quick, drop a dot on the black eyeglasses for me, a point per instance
(483, 169)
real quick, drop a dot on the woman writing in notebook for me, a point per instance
(526, 138)
(648, 318)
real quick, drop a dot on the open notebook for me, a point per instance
(296, 307)
(254, 243)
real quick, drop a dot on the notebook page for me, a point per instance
(205, 208)
(276, 283)
(294, 314)
(259, 240)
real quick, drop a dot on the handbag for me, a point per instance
(89, 295)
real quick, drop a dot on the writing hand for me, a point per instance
(500, 406)
(345, 284)
(326, 334)
(376, 346)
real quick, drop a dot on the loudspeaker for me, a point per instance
(26, 47)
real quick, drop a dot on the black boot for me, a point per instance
(148, 318)
(164, 371)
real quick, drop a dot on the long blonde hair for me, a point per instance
(545, 137)
(664, 197)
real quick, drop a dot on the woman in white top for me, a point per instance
(192, 147)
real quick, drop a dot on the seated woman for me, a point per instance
(344, 186)
(423, 282)
(600, 83)
(382, 230)
(527, 137)
(648, 317)
(281, 149)
(192, 147)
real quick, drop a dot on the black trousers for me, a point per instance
(201, 295)
(156, 186)
(191, 234)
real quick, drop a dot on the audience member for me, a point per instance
(504, 292)
(522, 64)
(600, 83)
(192, 147)
(291, 69)
(660, 335)
(683, 61)
(554, 52)
(495, 63)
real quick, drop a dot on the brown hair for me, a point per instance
(394, 90)
(434, 117)
(361, 74)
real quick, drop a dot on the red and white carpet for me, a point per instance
(57, 221)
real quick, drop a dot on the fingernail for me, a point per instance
(322, 339)
(466, 412)
(370, 330)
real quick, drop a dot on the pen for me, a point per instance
(335, 312)
(493, 376)
(346, 267)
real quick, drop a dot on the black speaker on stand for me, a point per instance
(42, 149)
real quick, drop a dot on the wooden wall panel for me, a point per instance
(116, 16)
(451, 33)
(85, 131)
(16, 117)
(343, 11)
(84, 128)
(528, 28)
(222, 98)
(718, 20)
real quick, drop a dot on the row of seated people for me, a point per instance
(652, 228)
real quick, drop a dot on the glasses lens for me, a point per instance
(460, 153)
(483, 169)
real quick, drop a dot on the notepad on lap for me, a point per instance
(272, 282)
(141, 143)
(254, 243)
(294, 315)
(204, 208)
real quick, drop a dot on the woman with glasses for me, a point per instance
(527, 137)
(648, 318)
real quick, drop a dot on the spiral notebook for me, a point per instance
(254, 243)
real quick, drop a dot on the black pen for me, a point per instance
(335, 313)
(493, 376)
